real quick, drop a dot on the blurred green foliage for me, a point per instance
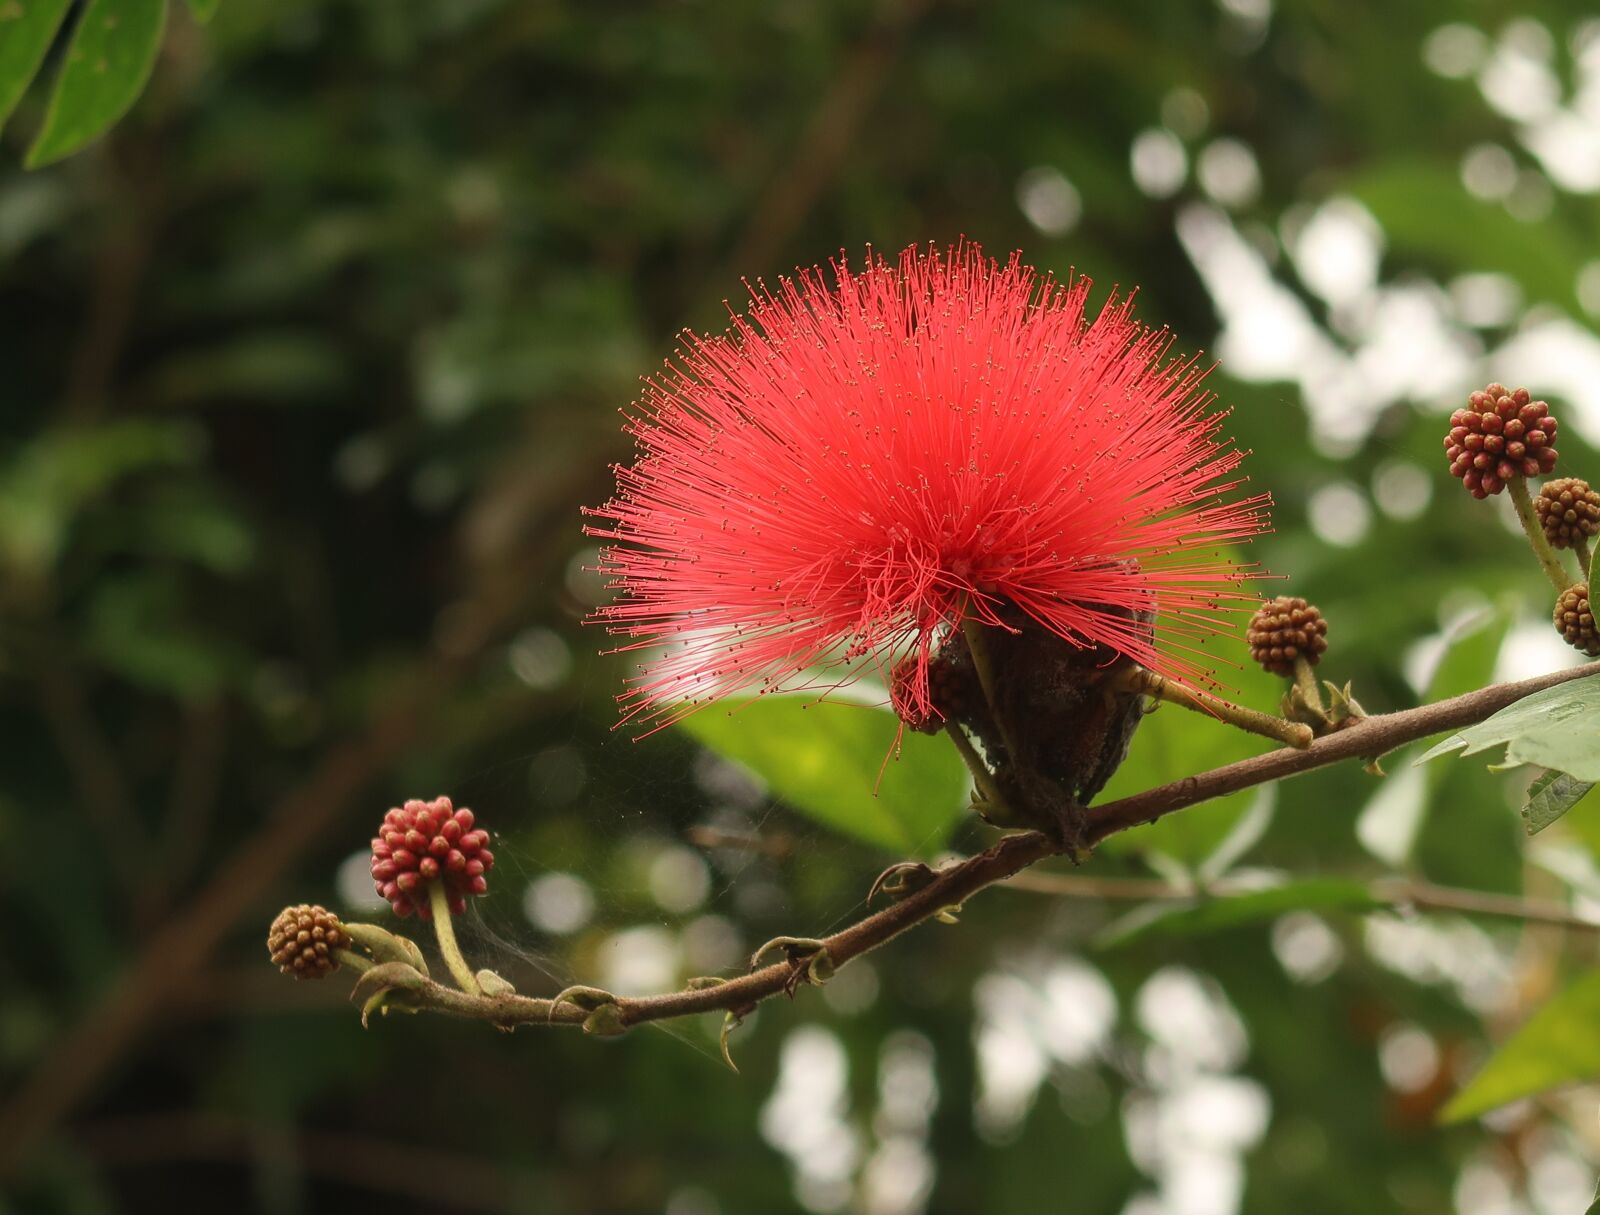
(311, 364)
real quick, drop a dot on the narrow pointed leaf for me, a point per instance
(112, 52)
(27, 27)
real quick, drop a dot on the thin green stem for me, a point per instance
(1305, 680)
(355, 961)
(444, 928)
(981, 776)
(1554, 570)
(1294, 733)
(1580, 546)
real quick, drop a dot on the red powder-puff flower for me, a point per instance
(873, 457)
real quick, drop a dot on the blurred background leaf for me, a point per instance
(1557, 1046)
(851, 767)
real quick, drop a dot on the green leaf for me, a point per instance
(27, 27)
(1557, 728)
(1192, 917)
(204, 10)
(1550, 796)
(112, 52)
(1559, 1044)
(833, 761)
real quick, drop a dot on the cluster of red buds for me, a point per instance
(421, 843)
(427, 858)
(1500, 439)
(1502, 434)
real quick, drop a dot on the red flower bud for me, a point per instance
(422, 843)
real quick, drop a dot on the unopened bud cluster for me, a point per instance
(1502, 433)
(1574, 620)
(421, 843)
(1285, 629)
(946, 695)
(1502, 437)
(302, 941)
(1568, 510)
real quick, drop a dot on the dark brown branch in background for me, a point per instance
(78, 1058)
(1399, 893)
(825, 142)
(196, 781)
(120, 262)
(96, 773)
(955, 884)
(302, 816)
(1403, 892)
(453, 1181)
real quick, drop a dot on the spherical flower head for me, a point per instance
(421, 843)
(302, 941)
(1501, 434)
(1568, 511)
(1574, 620)
(1284, 629)
(872, 456)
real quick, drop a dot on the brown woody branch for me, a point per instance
(1367, 739)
